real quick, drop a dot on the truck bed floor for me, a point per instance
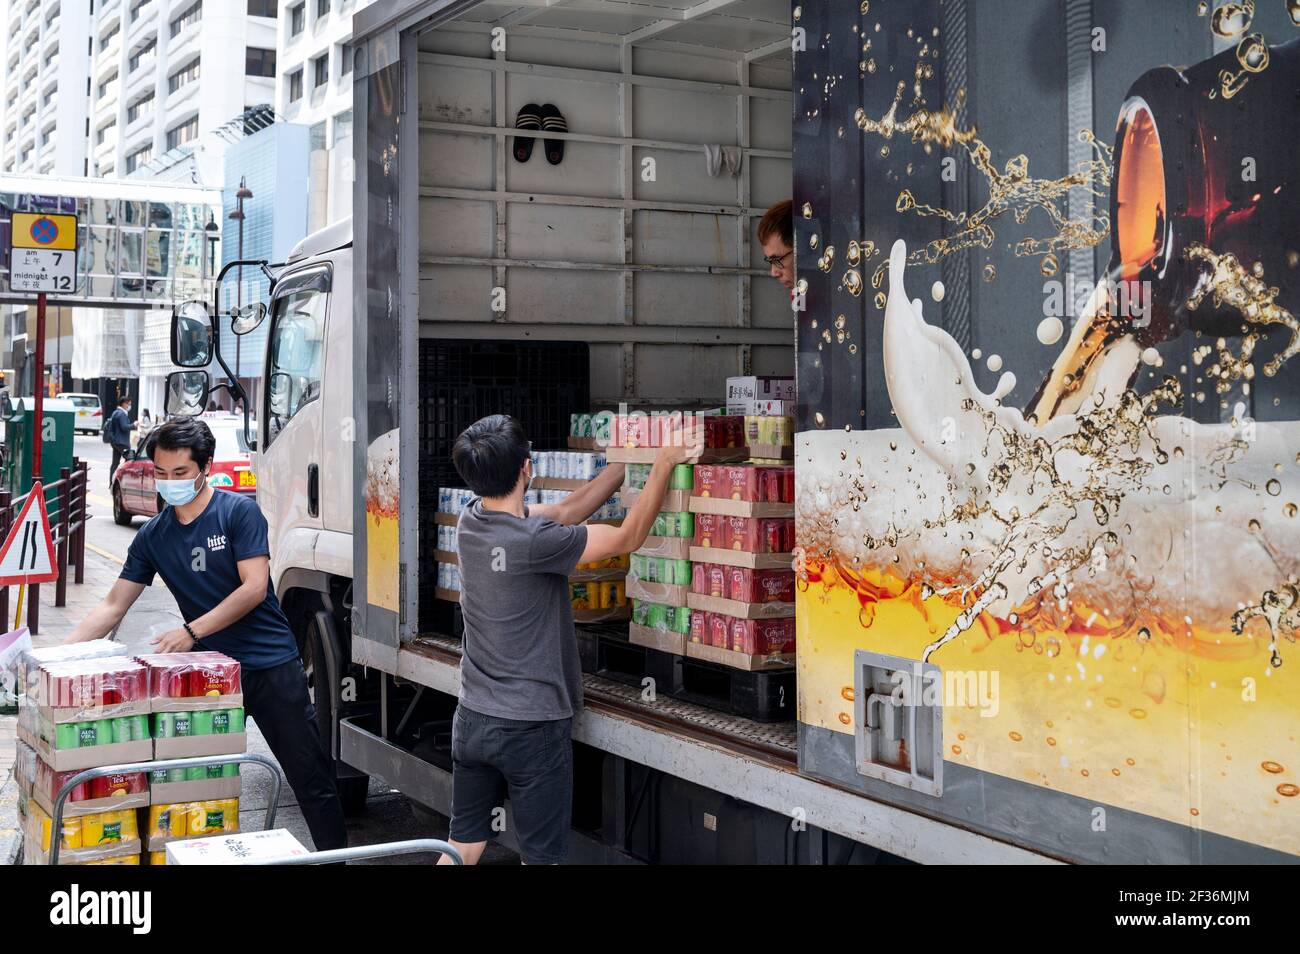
(774, 741)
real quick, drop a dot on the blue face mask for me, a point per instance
(178, 492)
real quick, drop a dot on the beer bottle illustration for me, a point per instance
(1204, 219)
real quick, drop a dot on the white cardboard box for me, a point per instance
(235, 849)
(759, 388)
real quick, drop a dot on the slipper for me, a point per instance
(530, 117)
(552, 121)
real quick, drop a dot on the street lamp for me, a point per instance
(237, 215)
(214, 233)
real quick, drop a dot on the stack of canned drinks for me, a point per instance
(449, 577)
(568, 465)
(446, 539)
(453, 499)
(597, 426)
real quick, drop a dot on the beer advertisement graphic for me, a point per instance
(1048, 412)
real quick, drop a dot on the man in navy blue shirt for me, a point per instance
(210, 548)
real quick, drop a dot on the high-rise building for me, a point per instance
(43, 94)
(166, 73)
(314, 70)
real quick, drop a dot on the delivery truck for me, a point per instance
(1043, 608)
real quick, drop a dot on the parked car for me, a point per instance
(90, 414)
(133, 483)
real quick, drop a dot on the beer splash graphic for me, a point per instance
(1228, 283)
(1010, 190)
(1073, 525)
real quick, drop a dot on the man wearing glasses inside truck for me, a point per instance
(776, 234)
(520, 678)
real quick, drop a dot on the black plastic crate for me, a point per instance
(538, 382)
(764, 695)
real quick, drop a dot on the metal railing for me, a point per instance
(68, 529)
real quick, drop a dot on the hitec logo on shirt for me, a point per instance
(216, 543)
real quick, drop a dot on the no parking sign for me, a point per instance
(43, 252)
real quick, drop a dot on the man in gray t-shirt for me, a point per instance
(521, 682)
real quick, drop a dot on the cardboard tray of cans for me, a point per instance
(729, 607)
(772, 451)
(445, 556)
(558, 483)
(729, 657)
(667, 641)
(112, 835)
(108, 793)
(669, 594)
(186, 682)
(706, 455)
(598, 576)
(446, 519)
(584, 443)
(755, 561)
(671, 548)
(450, 595)
(740, 508)
(675, 501)
(175, 822)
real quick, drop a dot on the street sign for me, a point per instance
(43, 252)
(32, 559)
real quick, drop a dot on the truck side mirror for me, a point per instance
(246, 319)
(187, 393)
(192, 335)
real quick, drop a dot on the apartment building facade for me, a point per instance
(314, 88)
(43, 99)
(166, 73)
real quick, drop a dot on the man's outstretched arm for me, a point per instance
(100, 621)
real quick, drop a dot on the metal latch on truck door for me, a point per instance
(898, 724)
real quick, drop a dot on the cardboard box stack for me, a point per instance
(742, 580)
(77, 714)
(767, 404)
(660, 573)
(197, 709)
(107, 708)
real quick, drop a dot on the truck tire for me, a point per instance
(121, 516)
(353, 789)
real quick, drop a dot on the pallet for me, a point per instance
(763, 695)
(613, 657)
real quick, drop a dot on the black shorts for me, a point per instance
(532, 763)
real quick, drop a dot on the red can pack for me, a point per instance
(760, 586)
(707, 477)
(91, 683)
(740, 482)
(51, 782)
(191, 675)
(760, 637)
(787, 484)
(121, 783)
(632, 430)
(710, 530)
(699, 626)
(719, 631)
(770, 488)
(699, 578)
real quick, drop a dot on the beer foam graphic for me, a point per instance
(1105, 520)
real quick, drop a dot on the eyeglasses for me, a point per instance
(774, 260)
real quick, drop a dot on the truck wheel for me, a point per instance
(121, 516)
(352, 789)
